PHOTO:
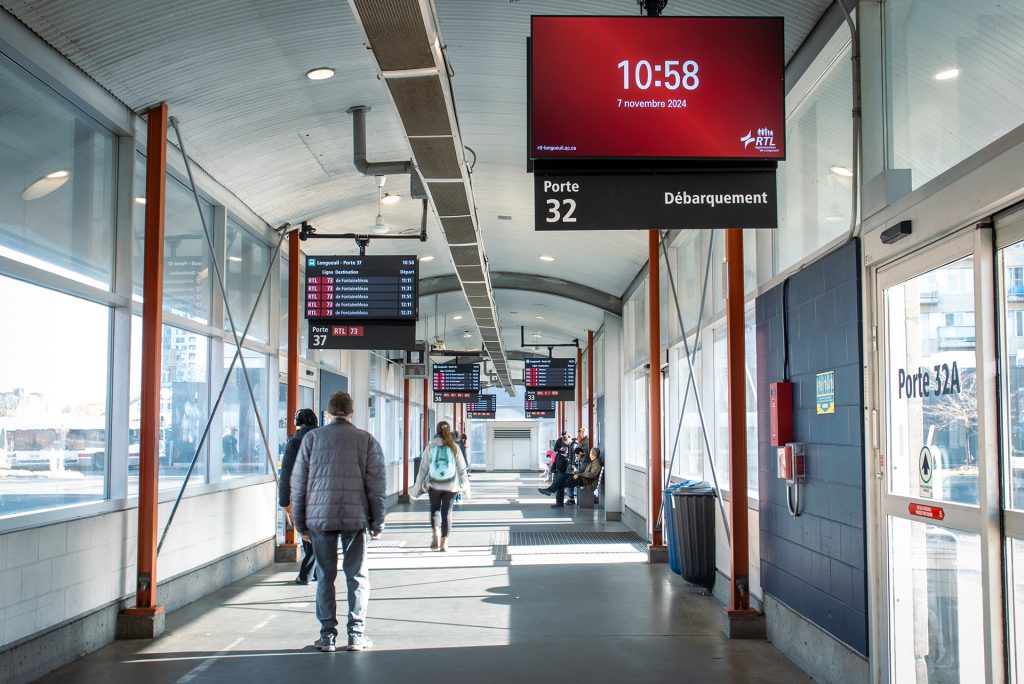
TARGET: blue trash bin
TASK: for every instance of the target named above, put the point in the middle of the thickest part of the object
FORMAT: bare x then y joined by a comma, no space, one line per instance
668,525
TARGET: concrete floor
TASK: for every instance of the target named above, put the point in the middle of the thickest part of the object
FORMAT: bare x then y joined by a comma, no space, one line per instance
549,614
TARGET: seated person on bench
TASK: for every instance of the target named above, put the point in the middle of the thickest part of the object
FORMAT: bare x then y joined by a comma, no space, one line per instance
587,479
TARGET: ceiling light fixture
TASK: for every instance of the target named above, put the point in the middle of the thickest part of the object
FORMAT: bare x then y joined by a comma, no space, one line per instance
140,200
320,73
379,226
457,318
388,198
539,318
427,257
234,258
947,74
467,335
545,257
45,185
841,171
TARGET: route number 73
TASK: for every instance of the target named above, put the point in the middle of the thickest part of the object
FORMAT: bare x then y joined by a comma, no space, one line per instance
556,209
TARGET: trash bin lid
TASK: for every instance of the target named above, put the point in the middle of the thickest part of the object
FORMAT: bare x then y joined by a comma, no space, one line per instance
685,483
697,489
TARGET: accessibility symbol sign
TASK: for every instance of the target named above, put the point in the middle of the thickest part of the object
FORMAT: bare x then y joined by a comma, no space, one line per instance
925,470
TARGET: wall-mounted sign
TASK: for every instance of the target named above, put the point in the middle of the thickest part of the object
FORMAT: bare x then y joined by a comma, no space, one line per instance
550,374
362,287
551,395
922,511
825,392
925,471
456,377
642,202
539,409
486,406
456,397
326,334
672,87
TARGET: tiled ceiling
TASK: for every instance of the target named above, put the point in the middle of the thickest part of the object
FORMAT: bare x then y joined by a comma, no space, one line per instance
232,71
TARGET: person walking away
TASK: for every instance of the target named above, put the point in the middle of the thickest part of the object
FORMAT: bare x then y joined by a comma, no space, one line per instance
442,476
305,421
337,490
229,444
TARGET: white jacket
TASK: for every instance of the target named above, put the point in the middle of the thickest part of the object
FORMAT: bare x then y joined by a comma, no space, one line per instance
458,484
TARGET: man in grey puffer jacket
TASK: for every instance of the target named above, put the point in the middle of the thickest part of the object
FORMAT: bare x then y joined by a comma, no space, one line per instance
337,490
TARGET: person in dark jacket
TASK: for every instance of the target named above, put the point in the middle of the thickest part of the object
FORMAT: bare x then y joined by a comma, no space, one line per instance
338,487
305,421
562,465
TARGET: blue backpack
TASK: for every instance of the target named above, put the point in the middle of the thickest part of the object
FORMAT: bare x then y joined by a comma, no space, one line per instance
442,464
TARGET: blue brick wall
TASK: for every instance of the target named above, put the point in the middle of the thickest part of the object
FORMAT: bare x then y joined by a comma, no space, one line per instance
816,563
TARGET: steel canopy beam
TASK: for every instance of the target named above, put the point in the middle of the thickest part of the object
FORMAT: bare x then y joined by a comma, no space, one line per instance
530,283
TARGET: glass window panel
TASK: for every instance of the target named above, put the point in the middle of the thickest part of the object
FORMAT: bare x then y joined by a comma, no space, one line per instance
721,438
53,404
935,603
945,59
242,444
689,275
1012,259
1016,602
814,183
188,272
750,370
248,260
932,399
57,182
282,322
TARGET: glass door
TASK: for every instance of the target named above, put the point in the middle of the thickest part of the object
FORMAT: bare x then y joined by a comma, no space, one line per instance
937,525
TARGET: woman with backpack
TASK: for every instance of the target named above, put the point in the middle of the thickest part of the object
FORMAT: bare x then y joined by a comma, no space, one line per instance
443,476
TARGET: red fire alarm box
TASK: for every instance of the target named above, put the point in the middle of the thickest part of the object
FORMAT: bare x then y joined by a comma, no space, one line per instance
781,407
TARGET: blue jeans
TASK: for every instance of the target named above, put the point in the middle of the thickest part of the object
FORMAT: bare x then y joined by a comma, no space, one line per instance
353,546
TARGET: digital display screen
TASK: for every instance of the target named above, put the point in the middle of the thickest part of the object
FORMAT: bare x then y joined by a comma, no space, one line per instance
550,374
563,394
539,409
486,406
362,287
666,87
456,377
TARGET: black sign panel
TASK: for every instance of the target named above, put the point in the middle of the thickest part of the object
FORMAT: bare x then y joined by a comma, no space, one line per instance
456,397
362,287
485,407
560,394
327,334
550,374
539,409
456,377
668,201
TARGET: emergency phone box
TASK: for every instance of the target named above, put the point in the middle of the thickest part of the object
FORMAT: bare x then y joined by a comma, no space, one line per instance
781,407
791,462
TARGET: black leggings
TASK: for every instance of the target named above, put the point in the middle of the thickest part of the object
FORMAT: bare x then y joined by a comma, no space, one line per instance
442,502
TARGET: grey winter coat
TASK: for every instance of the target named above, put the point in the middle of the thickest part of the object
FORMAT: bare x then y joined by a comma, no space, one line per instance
338,481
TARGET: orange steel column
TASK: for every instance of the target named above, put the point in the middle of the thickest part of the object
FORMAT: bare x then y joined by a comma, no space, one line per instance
590,388
408,439
579,394
654,379
152,343
737,418
294,256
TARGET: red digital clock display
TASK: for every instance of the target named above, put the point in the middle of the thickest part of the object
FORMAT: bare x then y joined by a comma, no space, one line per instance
665,87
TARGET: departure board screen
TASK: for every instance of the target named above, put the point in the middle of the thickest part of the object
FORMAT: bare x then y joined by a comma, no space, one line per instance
362,287
560,394
539,409
486,406
550,373
456,377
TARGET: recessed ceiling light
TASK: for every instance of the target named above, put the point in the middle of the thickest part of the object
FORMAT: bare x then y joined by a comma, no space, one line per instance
536,334
388,198
456,318
841,171
320,73
467,335
545,257
834,217
45,185
140,200
539,318
947,74
234,258
427,257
